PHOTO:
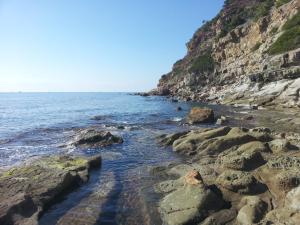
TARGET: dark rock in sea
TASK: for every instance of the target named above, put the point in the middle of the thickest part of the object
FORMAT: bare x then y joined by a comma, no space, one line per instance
95,138
200,115
143,94
100,117
178,108
28,189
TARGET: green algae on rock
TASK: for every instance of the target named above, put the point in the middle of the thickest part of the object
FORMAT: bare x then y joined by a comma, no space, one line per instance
27,190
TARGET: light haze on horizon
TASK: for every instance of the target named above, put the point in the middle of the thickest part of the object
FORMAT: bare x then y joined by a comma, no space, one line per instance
94,45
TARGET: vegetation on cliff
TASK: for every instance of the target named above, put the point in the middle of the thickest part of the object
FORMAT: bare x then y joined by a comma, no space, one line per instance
290,39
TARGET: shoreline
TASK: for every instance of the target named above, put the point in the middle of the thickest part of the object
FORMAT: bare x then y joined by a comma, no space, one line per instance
168,185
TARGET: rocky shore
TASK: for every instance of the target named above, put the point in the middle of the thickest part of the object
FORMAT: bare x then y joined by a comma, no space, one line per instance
232,175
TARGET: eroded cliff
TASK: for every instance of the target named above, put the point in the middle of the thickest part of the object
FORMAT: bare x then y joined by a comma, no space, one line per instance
248,54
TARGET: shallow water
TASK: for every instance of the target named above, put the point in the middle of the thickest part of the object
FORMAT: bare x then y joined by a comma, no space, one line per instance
38,124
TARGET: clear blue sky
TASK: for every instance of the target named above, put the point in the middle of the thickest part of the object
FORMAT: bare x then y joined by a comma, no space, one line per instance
94,45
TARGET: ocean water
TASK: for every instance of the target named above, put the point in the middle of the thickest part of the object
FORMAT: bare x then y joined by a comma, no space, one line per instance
35,124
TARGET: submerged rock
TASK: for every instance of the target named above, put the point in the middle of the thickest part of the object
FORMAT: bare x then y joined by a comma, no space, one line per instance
28,189
200,115
95,138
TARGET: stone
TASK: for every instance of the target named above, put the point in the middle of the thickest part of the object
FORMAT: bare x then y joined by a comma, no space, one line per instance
169,139
94,138
293,199
252,211
193,178
200,115
26,190
189,204
237,181
246,157
169,185
221,217
190,141
279,145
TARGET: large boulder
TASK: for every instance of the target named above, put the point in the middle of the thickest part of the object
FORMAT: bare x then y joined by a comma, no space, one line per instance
25,191
252,211
189,205
200,115
95,138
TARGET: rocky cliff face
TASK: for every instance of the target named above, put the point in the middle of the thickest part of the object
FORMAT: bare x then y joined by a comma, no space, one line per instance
248,54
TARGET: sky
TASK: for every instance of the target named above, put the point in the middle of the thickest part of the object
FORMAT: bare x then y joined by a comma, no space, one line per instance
94,45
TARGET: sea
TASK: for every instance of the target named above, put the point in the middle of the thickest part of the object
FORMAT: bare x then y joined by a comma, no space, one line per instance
40,124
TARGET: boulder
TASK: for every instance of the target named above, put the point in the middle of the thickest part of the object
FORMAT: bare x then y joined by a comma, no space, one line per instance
95,138
168,139
293,199
191,141
30,188
252,211
200,115
280,145
189,205
221,217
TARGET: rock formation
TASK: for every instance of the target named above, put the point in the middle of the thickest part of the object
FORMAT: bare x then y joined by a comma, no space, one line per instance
27,190
232,176
248,54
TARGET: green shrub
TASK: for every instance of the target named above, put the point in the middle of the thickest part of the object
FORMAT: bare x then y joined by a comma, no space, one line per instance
203,63
289,40
256,46
274,30
291,23
263,9
240,15
281,2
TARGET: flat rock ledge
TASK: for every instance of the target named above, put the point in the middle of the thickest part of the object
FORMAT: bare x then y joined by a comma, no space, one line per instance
234,176
27,190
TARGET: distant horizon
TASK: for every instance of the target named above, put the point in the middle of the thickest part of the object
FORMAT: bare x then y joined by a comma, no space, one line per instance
99,46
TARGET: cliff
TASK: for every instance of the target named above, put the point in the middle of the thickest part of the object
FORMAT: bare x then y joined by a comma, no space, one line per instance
248,54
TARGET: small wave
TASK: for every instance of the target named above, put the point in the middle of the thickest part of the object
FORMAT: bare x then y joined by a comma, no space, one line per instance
111,155
177,119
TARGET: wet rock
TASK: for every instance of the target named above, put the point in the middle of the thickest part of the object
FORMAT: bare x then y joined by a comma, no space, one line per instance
189,204
200,115
95,138
252,211
28,189
169,139
90,209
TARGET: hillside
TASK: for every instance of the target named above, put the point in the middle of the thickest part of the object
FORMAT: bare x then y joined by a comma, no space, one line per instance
248,54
